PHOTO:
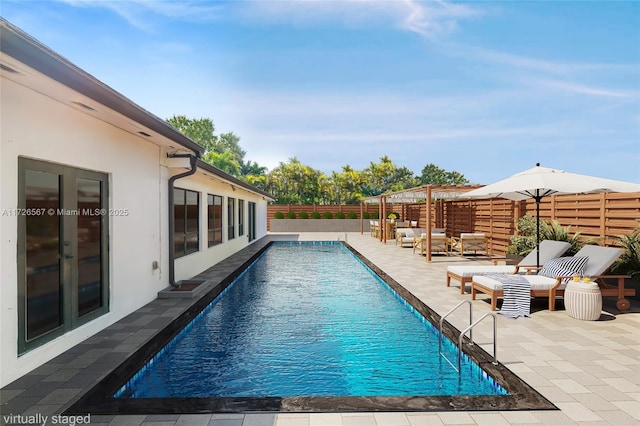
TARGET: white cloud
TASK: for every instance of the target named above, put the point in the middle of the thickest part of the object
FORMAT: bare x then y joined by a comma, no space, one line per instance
429,19
588,90
138,12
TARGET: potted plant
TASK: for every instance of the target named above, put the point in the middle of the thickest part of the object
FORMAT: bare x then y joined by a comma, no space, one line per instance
523,243
629,262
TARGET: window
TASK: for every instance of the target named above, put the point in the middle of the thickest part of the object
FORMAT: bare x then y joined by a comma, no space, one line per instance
214,219
252,221
231,225
186,214
240,218
62,250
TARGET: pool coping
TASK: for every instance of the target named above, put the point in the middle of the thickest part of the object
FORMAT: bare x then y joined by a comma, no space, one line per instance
99,399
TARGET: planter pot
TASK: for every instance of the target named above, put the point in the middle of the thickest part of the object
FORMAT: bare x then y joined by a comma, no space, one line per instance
583,301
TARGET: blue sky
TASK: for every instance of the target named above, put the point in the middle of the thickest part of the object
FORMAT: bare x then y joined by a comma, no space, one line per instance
484,88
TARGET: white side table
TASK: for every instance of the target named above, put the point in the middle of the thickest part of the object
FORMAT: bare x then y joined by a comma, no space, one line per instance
582,300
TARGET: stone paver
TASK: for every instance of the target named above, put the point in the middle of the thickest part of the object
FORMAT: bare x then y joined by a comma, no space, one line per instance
588,369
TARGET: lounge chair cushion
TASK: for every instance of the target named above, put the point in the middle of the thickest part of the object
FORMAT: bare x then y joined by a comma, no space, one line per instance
600,258
470,271
471,235
564,266
538,282
549,249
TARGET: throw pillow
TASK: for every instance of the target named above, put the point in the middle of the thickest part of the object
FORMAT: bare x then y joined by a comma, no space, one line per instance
564,266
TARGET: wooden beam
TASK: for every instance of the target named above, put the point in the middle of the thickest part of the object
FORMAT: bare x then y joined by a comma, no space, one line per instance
429,220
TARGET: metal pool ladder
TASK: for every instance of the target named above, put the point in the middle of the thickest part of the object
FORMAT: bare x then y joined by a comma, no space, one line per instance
470,330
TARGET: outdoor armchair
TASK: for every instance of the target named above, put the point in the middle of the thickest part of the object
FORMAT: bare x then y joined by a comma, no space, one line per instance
469,242
439,243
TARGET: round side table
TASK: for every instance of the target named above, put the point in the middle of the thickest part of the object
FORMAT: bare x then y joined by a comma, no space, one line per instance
582,300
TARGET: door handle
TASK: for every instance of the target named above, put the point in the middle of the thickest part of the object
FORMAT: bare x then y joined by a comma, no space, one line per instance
68,256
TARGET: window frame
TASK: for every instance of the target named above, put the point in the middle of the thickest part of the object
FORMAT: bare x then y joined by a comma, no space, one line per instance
68,226
187,232
211,219
240,217
231,218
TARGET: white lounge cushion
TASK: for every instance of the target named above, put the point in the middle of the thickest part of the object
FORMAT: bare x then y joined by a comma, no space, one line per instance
471,270
405,232
548,250
537,282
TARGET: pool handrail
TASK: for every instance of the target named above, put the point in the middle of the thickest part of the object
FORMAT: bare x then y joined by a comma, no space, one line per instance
495,338
442,321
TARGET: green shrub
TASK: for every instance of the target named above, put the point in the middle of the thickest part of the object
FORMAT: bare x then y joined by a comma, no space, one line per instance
365,215
315,215
374,215
327,215
340,215
291,215
278,215
352,215
557,232
522,244
303,215
629,262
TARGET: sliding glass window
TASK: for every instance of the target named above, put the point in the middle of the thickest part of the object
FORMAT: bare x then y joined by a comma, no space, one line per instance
231,218
186,211
240,218
214,219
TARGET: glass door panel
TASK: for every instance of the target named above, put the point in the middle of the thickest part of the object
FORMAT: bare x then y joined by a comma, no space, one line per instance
43,287
89,229
62,250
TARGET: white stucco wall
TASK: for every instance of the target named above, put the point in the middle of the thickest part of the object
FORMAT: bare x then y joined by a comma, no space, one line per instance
38,127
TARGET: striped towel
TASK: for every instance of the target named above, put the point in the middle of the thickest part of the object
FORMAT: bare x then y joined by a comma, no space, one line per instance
517,295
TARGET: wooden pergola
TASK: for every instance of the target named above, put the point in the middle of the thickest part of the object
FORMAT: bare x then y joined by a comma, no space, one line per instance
425,193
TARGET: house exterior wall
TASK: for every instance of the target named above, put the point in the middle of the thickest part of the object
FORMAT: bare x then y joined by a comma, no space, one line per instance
38,127
207,256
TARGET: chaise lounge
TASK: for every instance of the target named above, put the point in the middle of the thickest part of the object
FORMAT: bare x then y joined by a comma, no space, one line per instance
552,284
548,250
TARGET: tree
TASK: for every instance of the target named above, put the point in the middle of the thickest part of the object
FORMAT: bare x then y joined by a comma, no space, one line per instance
403,178
223,152
345,187
230,142
201,130
226,161
434,175
379,176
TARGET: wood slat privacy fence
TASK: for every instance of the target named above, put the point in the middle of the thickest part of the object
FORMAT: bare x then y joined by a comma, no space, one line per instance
601,217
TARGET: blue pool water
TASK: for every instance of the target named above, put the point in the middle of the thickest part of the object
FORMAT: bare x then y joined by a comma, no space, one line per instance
312,320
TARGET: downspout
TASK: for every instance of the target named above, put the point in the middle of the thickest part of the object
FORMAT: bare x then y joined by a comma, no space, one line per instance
172,179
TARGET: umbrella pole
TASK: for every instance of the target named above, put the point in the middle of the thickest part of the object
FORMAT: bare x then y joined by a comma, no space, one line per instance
538,197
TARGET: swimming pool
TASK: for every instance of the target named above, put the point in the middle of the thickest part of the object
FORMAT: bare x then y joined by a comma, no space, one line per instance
101,398
307,320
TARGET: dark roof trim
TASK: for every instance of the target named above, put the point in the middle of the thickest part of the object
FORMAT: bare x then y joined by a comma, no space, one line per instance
231,179
19,45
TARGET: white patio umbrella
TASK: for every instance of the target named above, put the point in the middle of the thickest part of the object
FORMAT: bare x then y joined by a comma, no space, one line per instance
539,182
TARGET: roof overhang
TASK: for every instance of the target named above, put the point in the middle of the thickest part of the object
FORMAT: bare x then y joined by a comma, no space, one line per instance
31,64
212,171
